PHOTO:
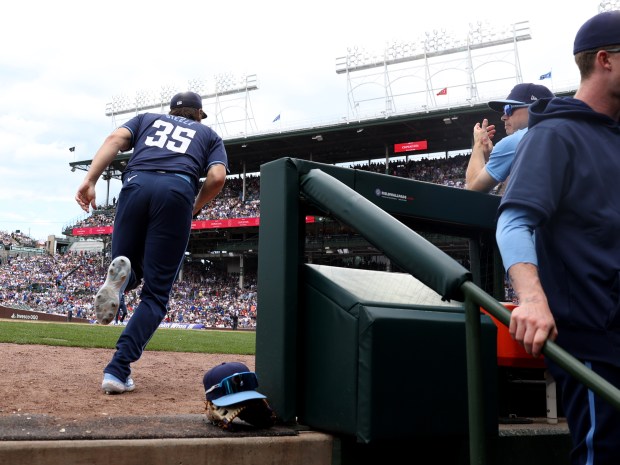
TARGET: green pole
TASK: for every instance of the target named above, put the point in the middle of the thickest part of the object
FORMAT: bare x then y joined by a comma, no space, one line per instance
477,441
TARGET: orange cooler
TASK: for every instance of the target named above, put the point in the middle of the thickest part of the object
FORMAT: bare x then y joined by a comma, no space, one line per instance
509,352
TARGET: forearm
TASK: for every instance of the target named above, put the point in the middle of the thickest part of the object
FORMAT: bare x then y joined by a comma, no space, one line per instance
531,323
477,160
119,140
211,187
526,284
113,144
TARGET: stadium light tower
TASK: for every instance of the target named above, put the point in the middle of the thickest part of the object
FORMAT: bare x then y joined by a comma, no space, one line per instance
165,95
432,45
229,91
609,5
148,100
431,50
196,85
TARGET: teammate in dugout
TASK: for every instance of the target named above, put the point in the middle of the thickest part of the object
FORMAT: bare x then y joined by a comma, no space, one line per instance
161,193
558,233
489,165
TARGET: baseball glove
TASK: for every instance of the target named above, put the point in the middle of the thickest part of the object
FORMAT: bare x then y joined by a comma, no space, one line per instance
256,412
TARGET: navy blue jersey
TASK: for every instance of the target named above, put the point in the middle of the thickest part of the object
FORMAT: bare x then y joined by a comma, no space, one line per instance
567,168
174,144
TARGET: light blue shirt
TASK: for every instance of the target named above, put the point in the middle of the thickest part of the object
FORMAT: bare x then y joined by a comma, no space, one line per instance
515,236
503,154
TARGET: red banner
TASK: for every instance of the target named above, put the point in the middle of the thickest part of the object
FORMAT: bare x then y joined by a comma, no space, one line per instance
228,223
98,231
411,146
197,224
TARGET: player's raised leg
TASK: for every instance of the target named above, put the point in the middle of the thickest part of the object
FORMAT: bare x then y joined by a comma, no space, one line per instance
107,300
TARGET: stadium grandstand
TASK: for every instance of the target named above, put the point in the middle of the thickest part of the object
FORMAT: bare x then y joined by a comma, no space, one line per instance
411,128
219,274
211,288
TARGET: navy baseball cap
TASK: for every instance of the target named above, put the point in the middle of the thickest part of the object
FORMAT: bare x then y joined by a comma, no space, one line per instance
598,32
188,99
522,94
230,383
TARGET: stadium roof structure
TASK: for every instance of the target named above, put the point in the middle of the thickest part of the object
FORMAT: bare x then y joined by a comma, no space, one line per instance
362,140
445,129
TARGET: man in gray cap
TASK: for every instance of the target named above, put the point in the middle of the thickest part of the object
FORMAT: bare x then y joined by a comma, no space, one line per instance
490,165
563,188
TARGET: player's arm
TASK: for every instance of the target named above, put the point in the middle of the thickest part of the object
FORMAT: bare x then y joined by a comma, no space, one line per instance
532,322
212,185
482,182
477,177
118,141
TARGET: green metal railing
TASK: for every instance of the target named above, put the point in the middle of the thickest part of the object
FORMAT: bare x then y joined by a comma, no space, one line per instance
476,298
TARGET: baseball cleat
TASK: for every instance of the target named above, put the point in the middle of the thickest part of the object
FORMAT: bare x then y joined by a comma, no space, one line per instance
107,299
112,385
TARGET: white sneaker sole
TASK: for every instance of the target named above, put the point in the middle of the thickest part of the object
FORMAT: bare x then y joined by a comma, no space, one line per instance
107,299
110,386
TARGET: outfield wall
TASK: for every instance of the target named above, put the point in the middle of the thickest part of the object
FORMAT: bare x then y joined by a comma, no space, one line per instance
10,313
29,315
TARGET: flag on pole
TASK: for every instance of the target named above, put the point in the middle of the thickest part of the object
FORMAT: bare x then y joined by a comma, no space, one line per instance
545,76
443,91
71,149
276,118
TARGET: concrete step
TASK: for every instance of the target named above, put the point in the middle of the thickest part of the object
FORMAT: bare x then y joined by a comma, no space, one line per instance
307,448
189,440
531,442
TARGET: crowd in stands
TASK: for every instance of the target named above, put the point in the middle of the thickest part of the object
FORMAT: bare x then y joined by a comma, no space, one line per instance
68,282
15,239
233,202
445,171
102,216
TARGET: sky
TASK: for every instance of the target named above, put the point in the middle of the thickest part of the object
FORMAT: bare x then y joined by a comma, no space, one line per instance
62,62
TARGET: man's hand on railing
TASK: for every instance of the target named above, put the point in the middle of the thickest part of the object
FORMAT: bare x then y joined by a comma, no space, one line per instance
531,323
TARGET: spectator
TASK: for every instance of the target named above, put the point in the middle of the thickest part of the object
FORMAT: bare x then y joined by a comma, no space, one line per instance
490,165
121,314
